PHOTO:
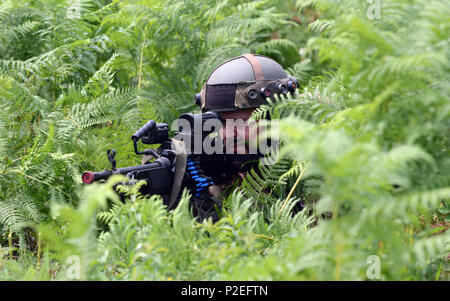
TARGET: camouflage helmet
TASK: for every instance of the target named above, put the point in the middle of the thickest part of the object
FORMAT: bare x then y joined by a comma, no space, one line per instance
244,82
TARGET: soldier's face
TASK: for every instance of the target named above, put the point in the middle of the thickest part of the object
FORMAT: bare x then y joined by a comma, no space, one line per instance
237,132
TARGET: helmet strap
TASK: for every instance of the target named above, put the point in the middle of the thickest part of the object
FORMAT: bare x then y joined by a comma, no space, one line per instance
256,66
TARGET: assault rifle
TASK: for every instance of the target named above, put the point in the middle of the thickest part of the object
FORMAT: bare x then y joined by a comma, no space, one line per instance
159,173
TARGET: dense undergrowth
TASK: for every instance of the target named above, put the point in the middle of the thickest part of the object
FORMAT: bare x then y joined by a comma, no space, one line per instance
365,144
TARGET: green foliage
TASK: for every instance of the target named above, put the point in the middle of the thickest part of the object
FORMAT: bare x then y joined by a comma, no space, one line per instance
364,143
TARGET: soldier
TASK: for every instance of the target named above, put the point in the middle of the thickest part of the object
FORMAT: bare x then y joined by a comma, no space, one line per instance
230,95
234,90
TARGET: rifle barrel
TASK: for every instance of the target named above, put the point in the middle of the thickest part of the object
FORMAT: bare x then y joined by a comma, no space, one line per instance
88,176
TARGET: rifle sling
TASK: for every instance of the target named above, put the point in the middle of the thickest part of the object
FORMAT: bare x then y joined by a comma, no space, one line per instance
180,168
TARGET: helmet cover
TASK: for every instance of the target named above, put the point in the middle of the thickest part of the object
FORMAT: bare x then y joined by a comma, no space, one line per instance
244,82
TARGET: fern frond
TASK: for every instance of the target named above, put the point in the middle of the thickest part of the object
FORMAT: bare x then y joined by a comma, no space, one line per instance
260,184
321,25
100,82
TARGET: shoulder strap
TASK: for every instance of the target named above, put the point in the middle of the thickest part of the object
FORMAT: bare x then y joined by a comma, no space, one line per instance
180,168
